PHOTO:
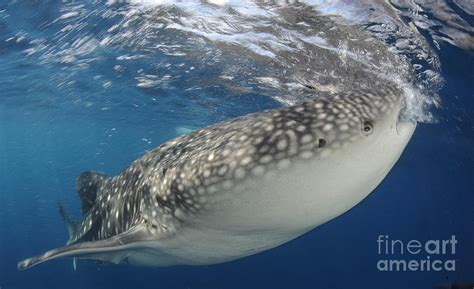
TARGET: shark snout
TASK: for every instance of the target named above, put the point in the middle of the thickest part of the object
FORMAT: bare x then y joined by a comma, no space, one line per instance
405,127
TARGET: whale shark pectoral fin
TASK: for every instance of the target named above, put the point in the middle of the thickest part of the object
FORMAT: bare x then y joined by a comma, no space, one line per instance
126,241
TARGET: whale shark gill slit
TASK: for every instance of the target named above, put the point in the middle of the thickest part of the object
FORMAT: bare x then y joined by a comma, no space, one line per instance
321,143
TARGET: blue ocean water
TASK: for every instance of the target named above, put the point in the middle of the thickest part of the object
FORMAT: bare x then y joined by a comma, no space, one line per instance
69,103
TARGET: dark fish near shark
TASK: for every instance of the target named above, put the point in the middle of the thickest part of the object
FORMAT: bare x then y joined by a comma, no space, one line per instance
239,187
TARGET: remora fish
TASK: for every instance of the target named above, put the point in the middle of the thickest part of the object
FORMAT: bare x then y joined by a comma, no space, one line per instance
241,186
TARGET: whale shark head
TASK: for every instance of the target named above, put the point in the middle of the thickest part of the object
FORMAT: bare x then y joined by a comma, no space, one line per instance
361,136
379,132
364,116
367,123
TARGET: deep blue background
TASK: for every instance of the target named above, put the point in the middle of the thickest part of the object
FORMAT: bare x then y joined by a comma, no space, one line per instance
43,147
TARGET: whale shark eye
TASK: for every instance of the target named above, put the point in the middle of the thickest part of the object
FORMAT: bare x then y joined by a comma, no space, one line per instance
367,127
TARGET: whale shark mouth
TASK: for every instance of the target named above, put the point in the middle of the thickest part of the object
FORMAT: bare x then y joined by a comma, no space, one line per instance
405,126
404,122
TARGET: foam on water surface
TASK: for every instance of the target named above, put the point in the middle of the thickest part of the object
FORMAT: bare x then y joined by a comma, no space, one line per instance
285,51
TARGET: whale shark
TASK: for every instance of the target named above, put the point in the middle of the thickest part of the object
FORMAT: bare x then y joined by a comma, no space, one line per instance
240,186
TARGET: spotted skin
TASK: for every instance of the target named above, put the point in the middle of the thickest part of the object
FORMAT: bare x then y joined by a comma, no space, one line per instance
189,176
180,177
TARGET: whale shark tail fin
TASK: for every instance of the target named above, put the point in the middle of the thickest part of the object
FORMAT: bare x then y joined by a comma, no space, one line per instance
89,186
72,227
